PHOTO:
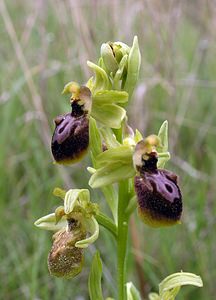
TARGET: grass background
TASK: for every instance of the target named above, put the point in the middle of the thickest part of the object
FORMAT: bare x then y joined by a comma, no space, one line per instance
45,44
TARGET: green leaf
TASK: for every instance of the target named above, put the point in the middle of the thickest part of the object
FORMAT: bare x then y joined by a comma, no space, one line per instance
48,222
134,61
111,115
170,286
75,197
92,227
109,97
95,139
94,282
111,173
132,292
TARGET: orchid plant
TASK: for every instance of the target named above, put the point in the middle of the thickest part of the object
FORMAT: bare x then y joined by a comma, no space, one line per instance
127,167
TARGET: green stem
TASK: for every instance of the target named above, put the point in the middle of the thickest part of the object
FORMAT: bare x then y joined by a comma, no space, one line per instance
107,223
122,238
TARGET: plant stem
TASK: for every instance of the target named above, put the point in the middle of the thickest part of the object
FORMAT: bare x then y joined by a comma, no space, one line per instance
122,237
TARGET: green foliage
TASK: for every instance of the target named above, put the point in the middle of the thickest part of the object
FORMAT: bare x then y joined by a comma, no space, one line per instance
94,283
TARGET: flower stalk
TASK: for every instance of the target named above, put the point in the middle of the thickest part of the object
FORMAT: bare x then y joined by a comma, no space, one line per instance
128,168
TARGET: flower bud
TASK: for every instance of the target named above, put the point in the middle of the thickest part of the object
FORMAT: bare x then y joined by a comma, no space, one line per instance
158,194
65,260
71,136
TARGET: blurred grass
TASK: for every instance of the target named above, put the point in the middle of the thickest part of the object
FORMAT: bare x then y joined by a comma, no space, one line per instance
45,44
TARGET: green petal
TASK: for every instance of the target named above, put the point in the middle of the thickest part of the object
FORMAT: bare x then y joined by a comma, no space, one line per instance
94,281
170,286
49,222
138,136
132,292
134,61
74,197
58,192
163,135
111,173
111,115
163,153
92,227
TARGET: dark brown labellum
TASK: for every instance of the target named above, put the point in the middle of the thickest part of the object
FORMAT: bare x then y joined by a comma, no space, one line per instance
66,260
71,136
158,194
159,198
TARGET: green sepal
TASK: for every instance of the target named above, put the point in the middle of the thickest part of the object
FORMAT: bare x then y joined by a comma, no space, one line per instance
48,222
95,139
170,286
108,58
134,61
102,81
114,165
91,225
109,97
132,292
111,115
120,49
111,173
94,281
121,154
105,108
109,137
119,74
75,197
